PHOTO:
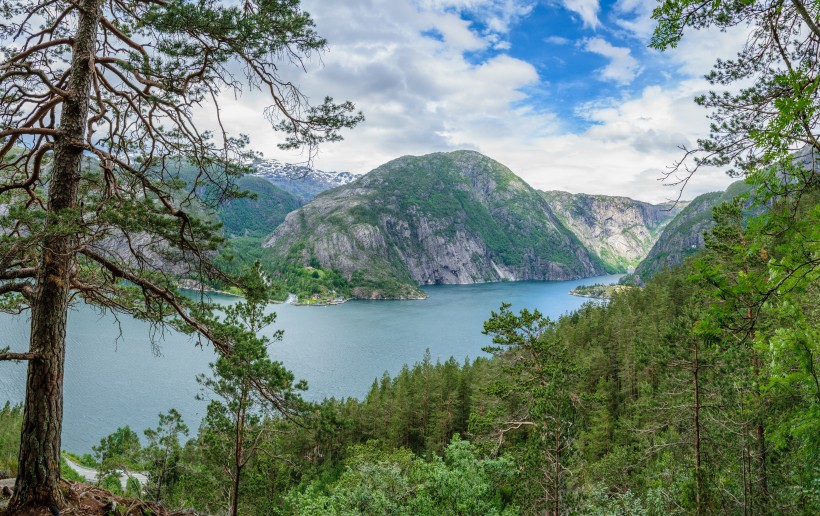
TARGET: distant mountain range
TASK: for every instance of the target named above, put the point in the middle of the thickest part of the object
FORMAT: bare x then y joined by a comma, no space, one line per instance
619,230
300,180
453,218
457,218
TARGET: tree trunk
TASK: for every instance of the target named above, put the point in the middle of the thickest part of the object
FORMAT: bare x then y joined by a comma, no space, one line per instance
556,501
698,471
239,453
39,457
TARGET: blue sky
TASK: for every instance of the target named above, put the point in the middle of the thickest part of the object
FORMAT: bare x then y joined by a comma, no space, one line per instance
564,92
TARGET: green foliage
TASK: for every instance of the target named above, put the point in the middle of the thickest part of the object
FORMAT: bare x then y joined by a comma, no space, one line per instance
398,482
772,109
162,454
118,451
256,216
112,483
540,403
86,459
309,283
246,385
67,473
599,291
11,419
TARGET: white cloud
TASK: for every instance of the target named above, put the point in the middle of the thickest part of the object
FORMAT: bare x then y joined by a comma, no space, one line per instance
557,40
421,95
498,15
635,16
586,9
622,67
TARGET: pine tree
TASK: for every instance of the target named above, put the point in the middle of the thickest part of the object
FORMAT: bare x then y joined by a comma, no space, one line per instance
542,374
246,385
162,454
97,129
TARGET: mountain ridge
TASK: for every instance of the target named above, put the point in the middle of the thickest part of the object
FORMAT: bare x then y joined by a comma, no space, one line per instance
303,181
683,236
452,218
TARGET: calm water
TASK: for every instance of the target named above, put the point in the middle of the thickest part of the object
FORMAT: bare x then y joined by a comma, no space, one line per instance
114,377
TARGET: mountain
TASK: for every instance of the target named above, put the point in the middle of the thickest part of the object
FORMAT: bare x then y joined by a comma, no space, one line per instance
619,230
256,216
452,218
302,181
683,236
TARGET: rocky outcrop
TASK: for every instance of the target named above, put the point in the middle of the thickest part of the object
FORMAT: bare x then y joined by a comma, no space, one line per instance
619,230
445,218
683,236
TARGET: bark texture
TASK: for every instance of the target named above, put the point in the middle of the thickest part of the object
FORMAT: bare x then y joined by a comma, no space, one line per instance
39,459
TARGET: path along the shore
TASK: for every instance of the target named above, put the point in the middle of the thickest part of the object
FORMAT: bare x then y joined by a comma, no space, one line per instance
90,474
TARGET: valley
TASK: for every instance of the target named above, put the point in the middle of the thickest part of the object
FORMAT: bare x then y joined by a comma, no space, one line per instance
446,218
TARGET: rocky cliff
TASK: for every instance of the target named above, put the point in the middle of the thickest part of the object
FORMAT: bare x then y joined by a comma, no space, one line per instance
451,218
683,236
619,230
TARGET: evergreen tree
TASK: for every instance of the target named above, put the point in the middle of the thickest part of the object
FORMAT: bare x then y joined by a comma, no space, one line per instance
542,375
118,453
119,82
247,386
162,454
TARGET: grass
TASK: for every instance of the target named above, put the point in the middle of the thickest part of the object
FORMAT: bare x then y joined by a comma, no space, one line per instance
84,460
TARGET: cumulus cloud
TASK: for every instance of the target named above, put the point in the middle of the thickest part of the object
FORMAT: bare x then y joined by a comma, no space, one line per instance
635,16
622,67
497,15
420,94
557,40
586,9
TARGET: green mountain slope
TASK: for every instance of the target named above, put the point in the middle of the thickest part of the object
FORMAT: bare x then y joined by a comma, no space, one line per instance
255,217
452,218
619,230
683,236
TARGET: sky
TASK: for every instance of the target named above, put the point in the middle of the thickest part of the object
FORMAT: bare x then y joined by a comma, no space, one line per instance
566,93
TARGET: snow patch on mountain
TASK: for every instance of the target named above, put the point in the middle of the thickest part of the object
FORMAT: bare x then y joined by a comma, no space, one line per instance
300,180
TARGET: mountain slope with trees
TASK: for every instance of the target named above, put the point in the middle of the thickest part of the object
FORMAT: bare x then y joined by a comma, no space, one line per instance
456,218
683,236
254,216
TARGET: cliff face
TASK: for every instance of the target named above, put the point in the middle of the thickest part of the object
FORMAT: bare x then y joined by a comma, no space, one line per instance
619,230
451,218
683,236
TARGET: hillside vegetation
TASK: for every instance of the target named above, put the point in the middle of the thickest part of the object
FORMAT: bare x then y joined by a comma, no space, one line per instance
683,236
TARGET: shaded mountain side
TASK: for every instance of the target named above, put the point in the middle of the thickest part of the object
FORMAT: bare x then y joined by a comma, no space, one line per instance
619,230
683,236
256,216
452,218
